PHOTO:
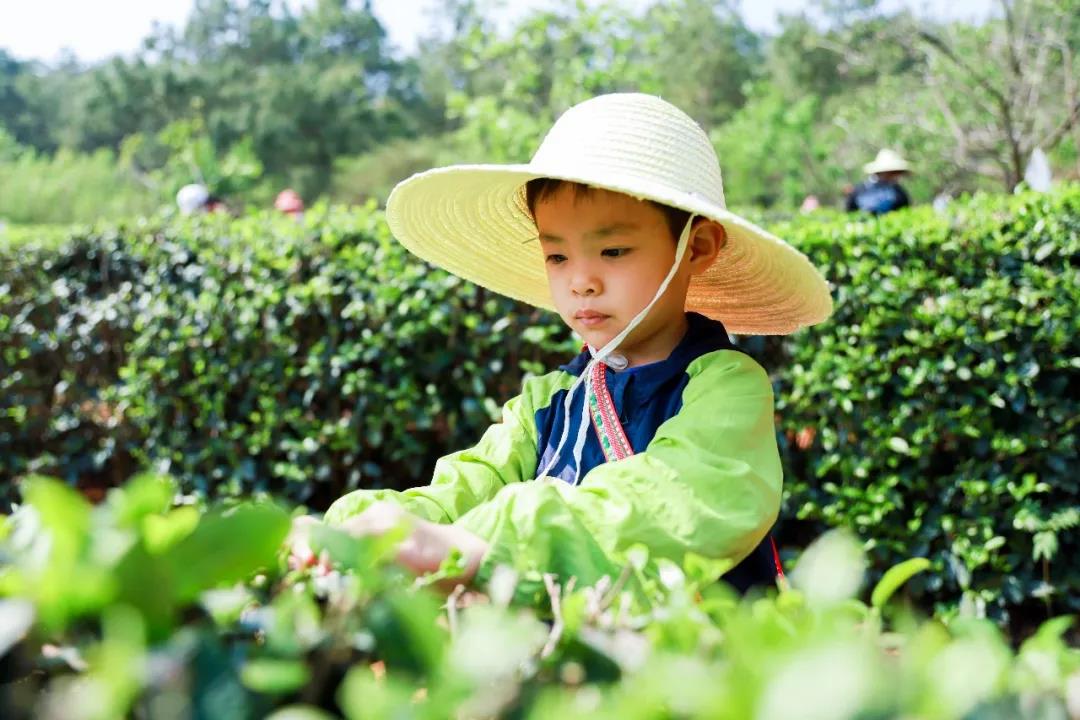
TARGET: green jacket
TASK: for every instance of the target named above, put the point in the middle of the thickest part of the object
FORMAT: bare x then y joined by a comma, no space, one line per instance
705,479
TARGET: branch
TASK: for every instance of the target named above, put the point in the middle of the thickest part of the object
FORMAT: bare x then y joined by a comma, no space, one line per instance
971,95
452,608
1010,35
947,52
1035,81
616,588
1003,103
1054,137
554,592
1070,91
946,111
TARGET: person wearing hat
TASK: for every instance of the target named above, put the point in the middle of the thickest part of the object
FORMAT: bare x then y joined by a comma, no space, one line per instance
192,198
196,198
881,192
289,202
660,432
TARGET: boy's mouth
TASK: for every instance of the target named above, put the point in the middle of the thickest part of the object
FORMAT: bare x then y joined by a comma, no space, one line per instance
590,318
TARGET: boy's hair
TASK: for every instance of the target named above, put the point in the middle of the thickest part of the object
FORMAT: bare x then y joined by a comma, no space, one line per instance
543,188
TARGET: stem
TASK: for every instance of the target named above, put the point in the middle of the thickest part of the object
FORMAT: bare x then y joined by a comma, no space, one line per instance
554,592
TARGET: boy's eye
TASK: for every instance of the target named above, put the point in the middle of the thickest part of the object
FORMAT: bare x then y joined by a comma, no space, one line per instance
555,258
614,252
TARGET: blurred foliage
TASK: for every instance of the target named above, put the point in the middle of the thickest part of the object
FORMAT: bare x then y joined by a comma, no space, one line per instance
316,98
183,151
935,414
227,632
360,178
68,187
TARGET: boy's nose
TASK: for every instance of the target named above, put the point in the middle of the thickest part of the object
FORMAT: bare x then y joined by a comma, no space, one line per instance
585,284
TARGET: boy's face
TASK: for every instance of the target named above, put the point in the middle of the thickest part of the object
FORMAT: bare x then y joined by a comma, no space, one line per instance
606,254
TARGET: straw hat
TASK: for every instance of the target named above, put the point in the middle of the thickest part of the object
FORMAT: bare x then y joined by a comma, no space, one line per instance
191,198
886,161
472,220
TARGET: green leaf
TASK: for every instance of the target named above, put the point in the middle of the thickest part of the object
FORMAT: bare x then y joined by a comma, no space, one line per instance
274,677
894,577
900,445
142,496
226,605
62,510
161,532
831,569
405,630
702,571
227,546
362,697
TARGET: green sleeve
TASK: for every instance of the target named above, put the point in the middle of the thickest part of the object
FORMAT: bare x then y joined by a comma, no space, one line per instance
708,483
506,454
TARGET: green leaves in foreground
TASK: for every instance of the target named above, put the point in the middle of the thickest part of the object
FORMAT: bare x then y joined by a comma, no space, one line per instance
895,577
73,560
368,642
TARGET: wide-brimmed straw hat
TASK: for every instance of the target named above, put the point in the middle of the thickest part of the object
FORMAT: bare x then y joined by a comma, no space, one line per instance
473,221
886,161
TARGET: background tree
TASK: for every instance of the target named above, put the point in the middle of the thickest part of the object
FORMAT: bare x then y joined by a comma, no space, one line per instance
1019,72
323,102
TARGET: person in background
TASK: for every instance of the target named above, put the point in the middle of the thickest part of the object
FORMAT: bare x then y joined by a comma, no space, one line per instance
881,192
289,202
810,203
196,198
192,198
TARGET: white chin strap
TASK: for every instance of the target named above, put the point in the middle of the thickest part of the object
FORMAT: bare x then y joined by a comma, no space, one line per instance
613,360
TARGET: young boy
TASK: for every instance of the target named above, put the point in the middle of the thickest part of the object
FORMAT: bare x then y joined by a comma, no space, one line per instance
660,432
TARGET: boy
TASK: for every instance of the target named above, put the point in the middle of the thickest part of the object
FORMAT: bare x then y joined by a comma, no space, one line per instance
659,432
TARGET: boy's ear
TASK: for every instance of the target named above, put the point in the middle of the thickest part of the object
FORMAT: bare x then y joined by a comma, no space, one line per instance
706,242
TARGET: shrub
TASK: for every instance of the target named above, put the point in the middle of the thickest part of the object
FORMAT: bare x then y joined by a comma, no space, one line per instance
251,355
939,406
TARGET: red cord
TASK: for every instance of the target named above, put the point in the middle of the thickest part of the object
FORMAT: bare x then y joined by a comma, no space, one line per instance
776,559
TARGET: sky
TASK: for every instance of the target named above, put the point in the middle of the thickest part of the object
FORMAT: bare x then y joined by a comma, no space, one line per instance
97,29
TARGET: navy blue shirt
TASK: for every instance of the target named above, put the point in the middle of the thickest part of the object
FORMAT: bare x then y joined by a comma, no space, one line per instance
878,197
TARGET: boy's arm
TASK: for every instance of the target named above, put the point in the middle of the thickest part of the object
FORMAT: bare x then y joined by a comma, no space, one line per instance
505,454
708,483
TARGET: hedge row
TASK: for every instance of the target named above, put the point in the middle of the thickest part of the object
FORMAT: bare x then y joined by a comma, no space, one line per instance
939,408
140,609
935,413
249,356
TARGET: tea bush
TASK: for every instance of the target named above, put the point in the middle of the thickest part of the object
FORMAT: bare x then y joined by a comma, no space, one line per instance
248,355
139,608
939,408
935,414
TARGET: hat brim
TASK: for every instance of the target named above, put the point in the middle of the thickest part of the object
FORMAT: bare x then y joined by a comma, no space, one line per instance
472,220
875,168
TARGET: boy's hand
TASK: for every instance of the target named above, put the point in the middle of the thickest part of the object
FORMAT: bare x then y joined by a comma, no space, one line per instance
299,543
423,550
379,518
431,543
